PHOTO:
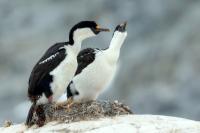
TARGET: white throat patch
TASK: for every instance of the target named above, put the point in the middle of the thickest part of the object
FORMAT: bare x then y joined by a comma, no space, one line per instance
81,34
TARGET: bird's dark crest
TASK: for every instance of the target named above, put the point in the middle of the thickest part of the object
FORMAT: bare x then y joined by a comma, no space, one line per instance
82,24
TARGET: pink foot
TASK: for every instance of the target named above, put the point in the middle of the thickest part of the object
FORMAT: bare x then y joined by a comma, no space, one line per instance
50,99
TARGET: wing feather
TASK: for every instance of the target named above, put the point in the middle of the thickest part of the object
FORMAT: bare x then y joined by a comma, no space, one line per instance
50,60
84,58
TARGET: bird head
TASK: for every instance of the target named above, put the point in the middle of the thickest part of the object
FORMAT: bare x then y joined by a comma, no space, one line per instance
119,36
85,29
120,31
121,27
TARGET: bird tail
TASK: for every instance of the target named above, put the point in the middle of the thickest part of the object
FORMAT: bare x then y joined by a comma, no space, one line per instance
30,114
33,97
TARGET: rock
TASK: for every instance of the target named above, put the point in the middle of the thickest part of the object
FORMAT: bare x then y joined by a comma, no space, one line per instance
102,117
7,123
160,55
118,124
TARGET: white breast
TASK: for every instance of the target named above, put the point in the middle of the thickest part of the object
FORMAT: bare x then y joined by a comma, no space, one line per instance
97,76
94,78
63,74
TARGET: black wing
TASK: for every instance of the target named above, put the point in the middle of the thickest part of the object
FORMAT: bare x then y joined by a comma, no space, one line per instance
40,73
84,58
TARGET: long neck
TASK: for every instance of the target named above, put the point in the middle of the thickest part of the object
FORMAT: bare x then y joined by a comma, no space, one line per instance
76,37
75,41
114,49
76,46
117,41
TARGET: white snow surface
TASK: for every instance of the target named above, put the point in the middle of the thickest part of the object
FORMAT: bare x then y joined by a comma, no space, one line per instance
120,124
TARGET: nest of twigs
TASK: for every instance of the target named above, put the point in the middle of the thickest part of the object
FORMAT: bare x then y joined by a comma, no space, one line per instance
82,111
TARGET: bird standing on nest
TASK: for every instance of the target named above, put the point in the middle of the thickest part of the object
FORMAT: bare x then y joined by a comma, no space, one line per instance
53,72
96,68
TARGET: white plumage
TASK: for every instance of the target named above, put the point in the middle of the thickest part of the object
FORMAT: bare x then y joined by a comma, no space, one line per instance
97,75
64,72
56,68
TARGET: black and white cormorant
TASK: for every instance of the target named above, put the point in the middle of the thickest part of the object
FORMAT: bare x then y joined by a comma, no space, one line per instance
53,72
96,68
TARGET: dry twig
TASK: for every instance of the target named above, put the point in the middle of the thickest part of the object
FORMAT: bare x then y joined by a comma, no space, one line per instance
83,111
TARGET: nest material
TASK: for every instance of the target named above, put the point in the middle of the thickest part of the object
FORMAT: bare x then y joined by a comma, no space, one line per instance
83,111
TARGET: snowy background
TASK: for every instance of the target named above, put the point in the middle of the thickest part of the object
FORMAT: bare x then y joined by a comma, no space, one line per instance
159,63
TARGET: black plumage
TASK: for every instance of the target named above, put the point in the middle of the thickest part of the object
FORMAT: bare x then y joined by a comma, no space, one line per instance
71,92
40,79
87,56
84,58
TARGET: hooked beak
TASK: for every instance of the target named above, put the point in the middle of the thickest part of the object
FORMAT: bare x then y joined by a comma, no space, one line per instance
123,27
98,29
124,24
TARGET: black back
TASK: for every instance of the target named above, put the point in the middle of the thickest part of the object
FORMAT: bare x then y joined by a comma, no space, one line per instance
84,58
40,78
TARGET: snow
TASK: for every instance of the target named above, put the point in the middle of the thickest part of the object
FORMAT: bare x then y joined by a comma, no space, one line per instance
126,123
